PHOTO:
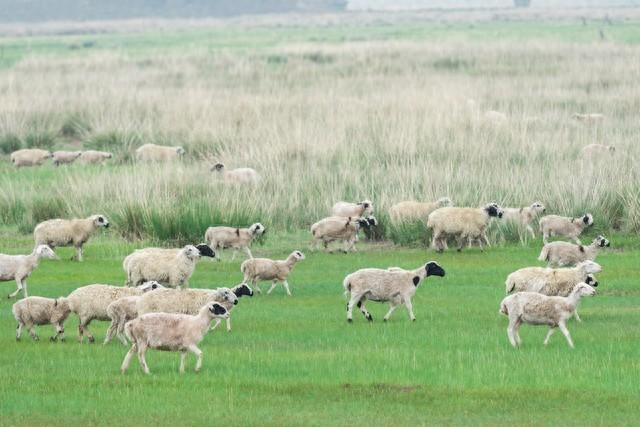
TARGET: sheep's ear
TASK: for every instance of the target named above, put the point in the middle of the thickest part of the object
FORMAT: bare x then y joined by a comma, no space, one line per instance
416,280
585,219
238,232
55,302
581,248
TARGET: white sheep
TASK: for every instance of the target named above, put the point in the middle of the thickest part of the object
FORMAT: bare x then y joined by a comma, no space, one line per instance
264,269
91,157
172,267
598,151
236,176
415,211
537,309
158,153
524,216
347,209
239,291
220,238
30,157
589,118
465,224
339,228
562,226
65,157
562,254
170,332
20,267
393,285
90,303
32,311
69,232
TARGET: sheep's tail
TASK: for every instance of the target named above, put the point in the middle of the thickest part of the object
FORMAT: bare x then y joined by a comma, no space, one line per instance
503,309
347,287
510,285
544,254
127,331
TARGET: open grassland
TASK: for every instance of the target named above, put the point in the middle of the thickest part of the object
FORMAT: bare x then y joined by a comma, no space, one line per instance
293,361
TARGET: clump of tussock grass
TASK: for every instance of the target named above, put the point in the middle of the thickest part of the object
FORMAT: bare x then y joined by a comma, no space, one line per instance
44,140
9,143
75,125
121,144
40,209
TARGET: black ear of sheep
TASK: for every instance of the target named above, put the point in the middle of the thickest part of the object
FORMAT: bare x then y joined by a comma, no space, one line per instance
205,250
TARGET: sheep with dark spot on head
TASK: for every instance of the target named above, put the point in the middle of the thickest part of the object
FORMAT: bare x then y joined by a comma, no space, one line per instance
465,224
562,226
221,237
347,209
561,254
338,228
69,232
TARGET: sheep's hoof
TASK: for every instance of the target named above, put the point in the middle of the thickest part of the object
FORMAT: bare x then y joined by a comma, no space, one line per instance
63,339
350,320
413,320
385,320
36,338
53,339
370,318
18,339
92,340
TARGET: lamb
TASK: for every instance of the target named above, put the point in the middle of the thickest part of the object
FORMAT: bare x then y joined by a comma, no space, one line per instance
236,176
597,151
232,237
590,118
561,254
264,269
415,211
20,267
68,232
170,332
537,309
65,157
158,153
354,210
338,228
92,157
562,226
172,267
90,303
30,157
32,311
393,285
523,217
463,223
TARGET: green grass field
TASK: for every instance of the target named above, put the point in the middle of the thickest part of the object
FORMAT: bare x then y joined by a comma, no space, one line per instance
294,361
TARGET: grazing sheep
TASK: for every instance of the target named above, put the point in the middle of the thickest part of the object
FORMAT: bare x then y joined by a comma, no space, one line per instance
354,210
232,237
236,176
41,311
393,285
415,211
589,118
91,302
465,224
264,269
20,267
172,267
69,232
338,228
65,157
524,216
598,151
158,153
562,226
30,157
92,157
560,254
170,332
537,309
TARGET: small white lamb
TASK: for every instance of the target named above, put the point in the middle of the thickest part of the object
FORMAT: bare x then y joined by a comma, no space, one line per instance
20,267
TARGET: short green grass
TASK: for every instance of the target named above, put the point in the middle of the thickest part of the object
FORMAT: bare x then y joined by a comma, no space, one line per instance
294,361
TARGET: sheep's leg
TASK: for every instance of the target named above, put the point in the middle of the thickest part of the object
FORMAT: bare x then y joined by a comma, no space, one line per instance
363,309
545,237
59,332
512,331
566,333
83,327
229,324
460,242
233,256
551,331
286,287
248,251
355,298
127,358
110,332
409,306
19,330
273,286
183,356
216,324
435,242
195,350
575,314
255,286
19,283
530,230
142,351
79,253
32,332
392,308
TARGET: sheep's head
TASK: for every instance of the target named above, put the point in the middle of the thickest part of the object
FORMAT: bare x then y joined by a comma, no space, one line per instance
297,255
432,268
444,201
218,167
589,267
367,205
44,251
584,290
180,151
591,280
226,294
205,250
191,252
493,209
257,229
538,207
587,219
243,289
48,155
151,285
100,221
602,241
61,309
612,149
217,310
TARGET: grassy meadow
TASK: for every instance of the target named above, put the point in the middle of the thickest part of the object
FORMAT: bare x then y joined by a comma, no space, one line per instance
349,107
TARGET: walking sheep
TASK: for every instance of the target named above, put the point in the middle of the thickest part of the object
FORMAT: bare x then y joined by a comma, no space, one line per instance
562,226
220,238
561,254
158,153
338,228
393,285
598,151
523,217
590,118
415,211
465,224
65,157
537,309
20,267
92,157
30,157
41,311
170,332
264,269
236,176
354,210
69,232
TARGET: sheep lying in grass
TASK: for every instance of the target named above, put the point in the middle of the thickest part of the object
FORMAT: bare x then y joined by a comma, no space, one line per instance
394,285
170,332
264,269
415,211
562,226
560,254
172,267
20,267
523,217
41,311
597,151
236,176
220,238
465,224
92,157
30,157
69,232
158,153
338,228
537,309
65,157
354,210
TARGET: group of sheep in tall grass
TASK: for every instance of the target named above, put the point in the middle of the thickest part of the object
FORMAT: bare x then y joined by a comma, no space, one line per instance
37,157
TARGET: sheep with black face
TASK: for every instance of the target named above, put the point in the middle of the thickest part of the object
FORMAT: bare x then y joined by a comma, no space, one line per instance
236,176
235,238
562,226
465,224
69,232
338,228
561,254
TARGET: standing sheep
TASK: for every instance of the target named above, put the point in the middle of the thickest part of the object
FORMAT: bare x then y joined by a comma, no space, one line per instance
232,237
236,176
170,332
537,309
415,211
158,153
264,269
30,157
32,311
560,254
20,267
562,226
92,157
354,210
69,232
523,217
465,224
338,228
590,118
393,285
65,157
598,151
